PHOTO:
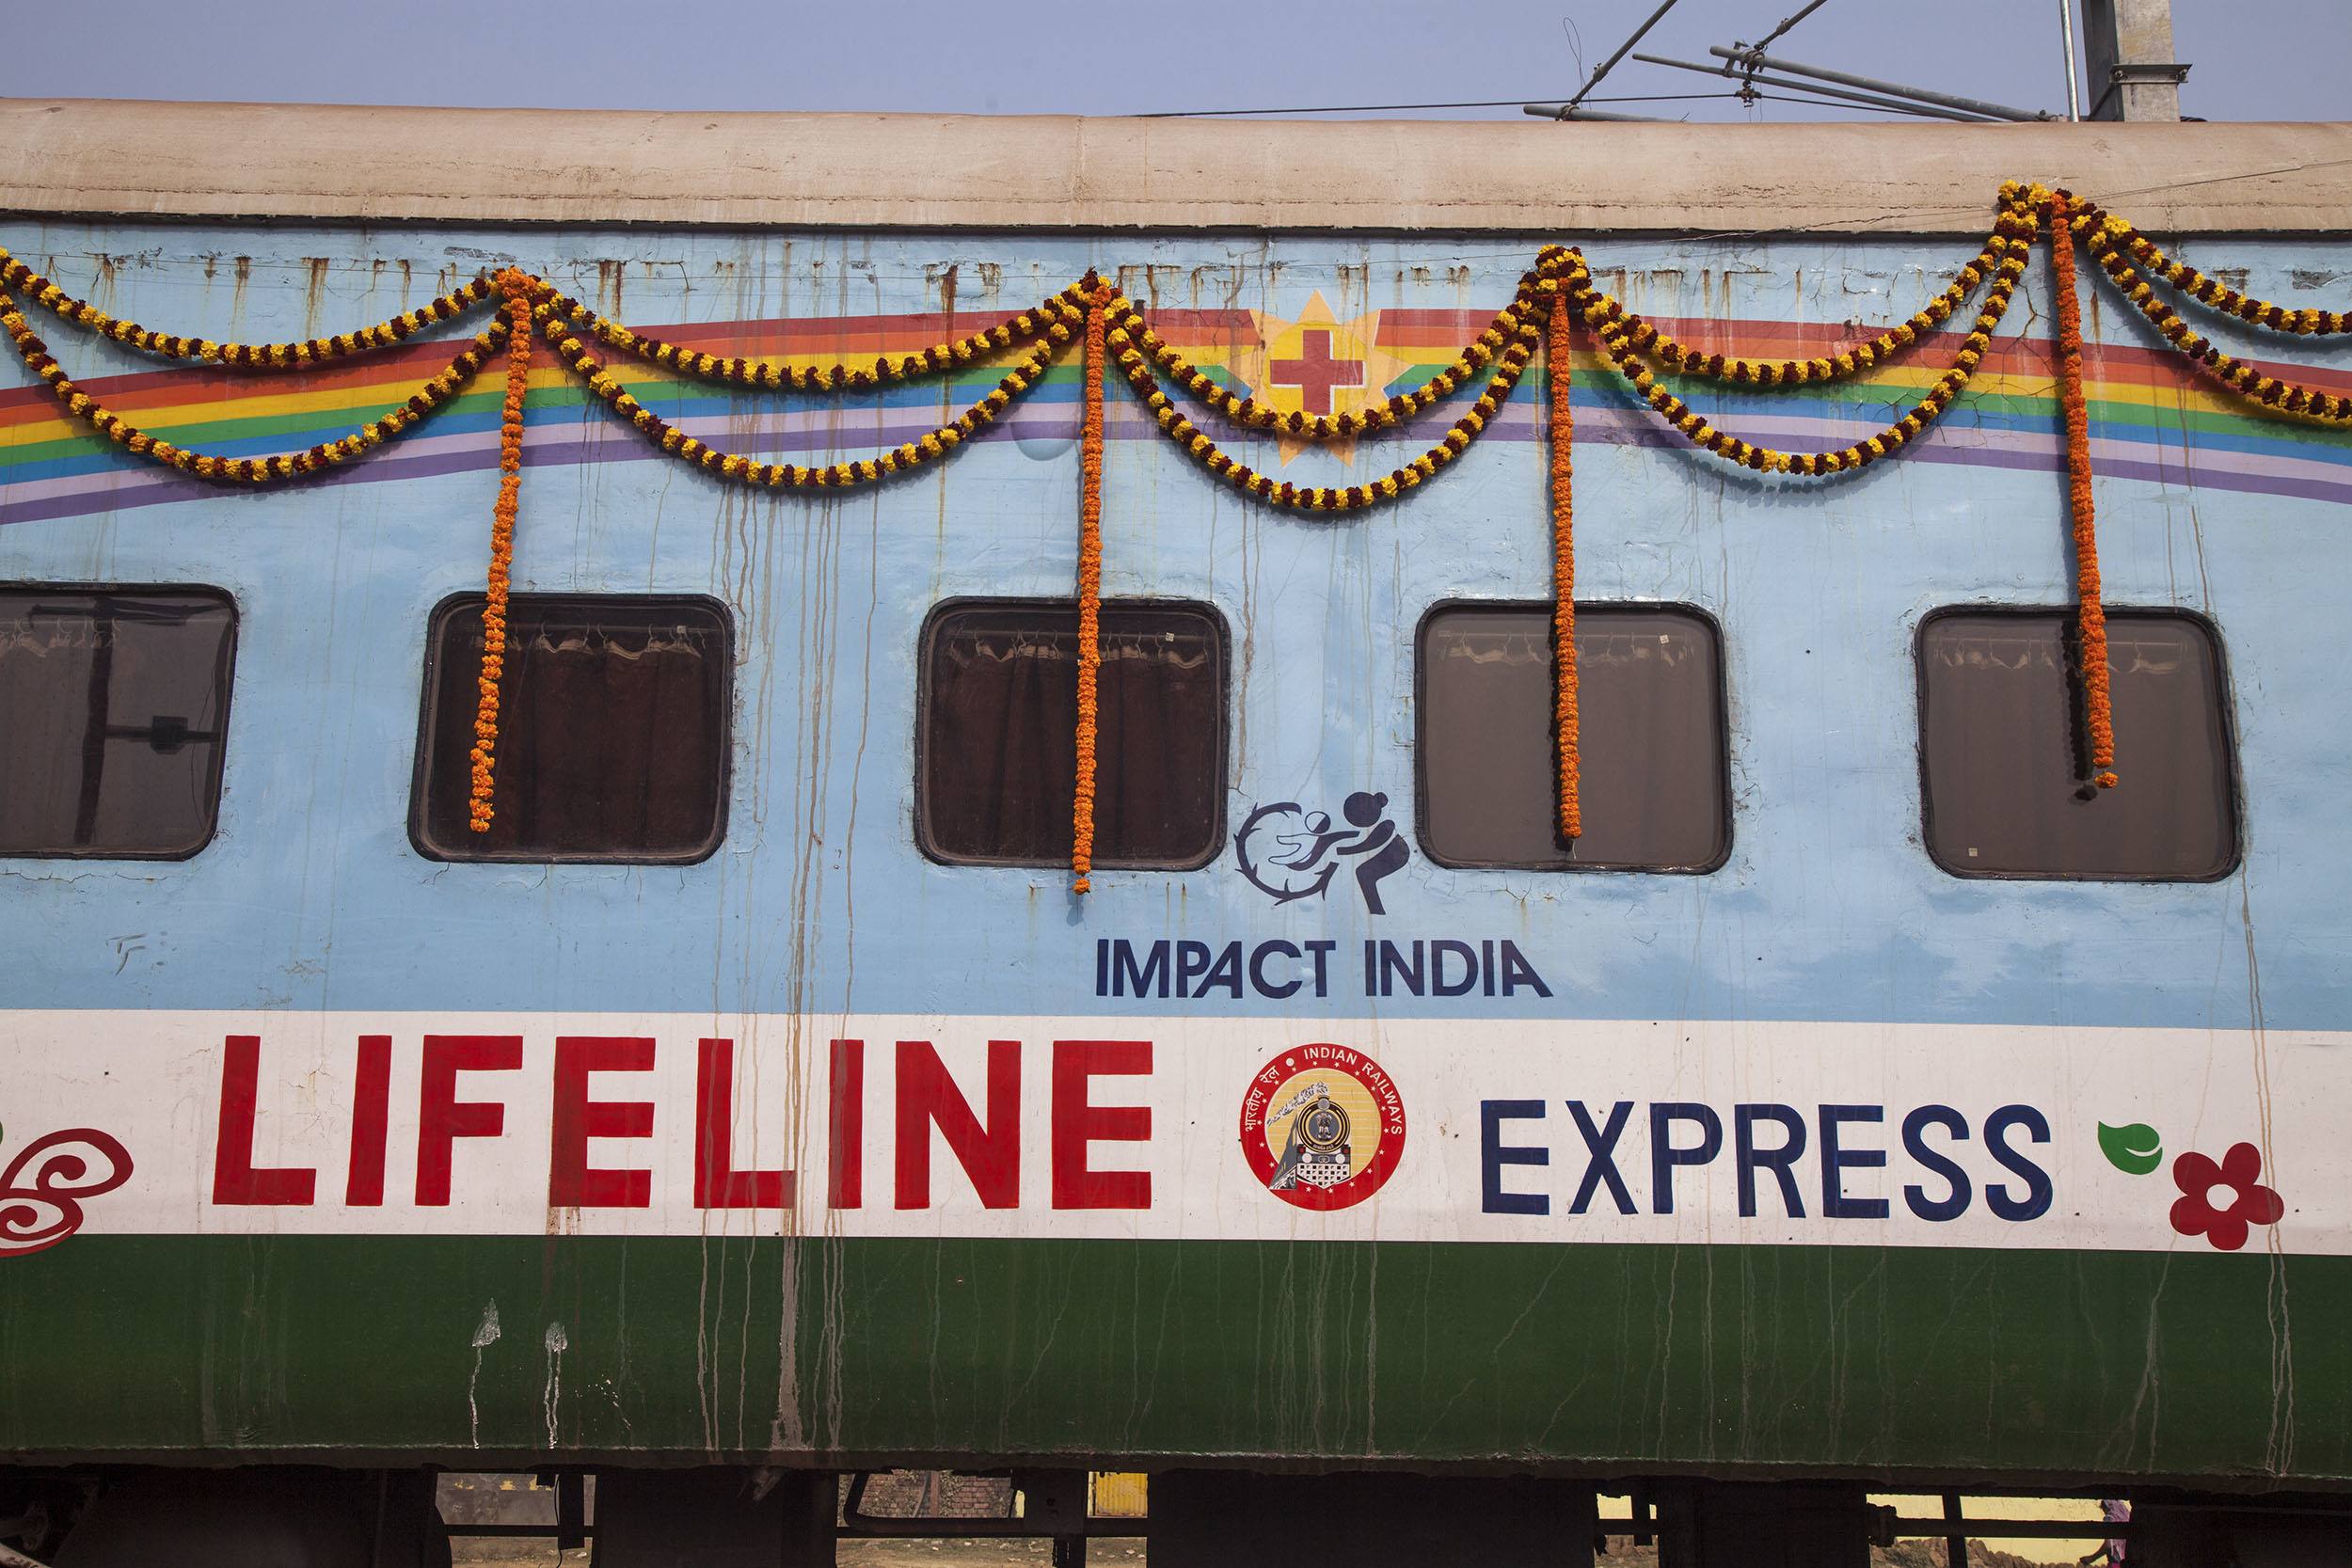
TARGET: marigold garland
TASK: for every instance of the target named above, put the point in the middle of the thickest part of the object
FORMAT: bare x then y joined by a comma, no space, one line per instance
1090,592
419,404
1563,571
1053,319
243,356
1299,426
2097,709
1655,345
1546,305
2266,392
2207,291
1512,361
1566,271
517,289
909,455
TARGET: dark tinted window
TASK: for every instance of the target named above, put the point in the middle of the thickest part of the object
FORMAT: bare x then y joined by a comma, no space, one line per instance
1650,722
2004,748
113,707
999,721
612,730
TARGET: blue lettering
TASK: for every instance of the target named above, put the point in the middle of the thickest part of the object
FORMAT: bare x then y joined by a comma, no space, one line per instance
1258,981
1226,972
1955,1201
1392,966
1664,1156
1836,1161
1128,980
1996,1196
1438,983
1494,1155
1778,1161
1322,950
1602,1165
1518,972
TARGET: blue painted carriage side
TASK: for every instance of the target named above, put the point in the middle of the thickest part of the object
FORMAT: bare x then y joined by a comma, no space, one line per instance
1828,908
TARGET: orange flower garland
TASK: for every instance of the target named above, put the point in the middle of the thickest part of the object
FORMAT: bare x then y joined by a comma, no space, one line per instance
1090,591
518,288
2096,708
1564,569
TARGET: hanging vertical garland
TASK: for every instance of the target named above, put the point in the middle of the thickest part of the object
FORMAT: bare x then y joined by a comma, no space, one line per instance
1564,567
517,286
1090,586
2091,616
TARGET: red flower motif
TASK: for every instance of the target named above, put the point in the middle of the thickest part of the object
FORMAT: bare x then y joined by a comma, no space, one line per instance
2252,1204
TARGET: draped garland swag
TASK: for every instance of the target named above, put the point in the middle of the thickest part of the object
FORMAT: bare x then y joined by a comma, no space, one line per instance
1550,301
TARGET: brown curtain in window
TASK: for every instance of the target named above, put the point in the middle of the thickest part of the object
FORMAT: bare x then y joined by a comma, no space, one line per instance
610,737
999,747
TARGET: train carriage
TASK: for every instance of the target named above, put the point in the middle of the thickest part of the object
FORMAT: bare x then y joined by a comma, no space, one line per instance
1039,796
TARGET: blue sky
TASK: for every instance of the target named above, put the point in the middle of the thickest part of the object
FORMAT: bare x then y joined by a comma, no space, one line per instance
2253,59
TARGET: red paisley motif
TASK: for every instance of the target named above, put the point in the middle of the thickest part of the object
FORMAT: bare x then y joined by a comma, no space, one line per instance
43,1187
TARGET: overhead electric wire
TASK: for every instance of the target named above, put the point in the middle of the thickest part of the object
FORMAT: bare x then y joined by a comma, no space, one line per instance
1474,103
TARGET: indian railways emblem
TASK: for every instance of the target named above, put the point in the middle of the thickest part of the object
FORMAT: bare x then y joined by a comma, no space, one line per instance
1323,1125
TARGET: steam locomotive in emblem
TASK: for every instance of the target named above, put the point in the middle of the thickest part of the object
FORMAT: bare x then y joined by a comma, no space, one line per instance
1317,1153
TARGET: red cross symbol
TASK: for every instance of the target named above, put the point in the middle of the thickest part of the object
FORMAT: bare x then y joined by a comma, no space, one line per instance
1315,373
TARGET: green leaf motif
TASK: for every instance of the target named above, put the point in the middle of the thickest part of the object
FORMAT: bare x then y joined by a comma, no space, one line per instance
2134,1149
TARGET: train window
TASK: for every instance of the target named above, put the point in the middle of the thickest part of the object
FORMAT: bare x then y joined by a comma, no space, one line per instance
2003,748
1653,759
114,702
612,730
999,709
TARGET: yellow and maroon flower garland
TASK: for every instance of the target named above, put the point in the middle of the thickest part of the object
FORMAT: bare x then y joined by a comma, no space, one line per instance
1651,344
1475,356
2109,232
516,286
1544,307
1511,361
254,357
2090,615
421,404
2234,375
1090,592
1053,320
1022,377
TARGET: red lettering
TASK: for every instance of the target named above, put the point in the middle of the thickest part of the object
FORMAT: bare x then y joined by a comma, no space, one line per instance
370,1099
441,1120
235,1178
572,1181
844,1138
991,1155
717,1183
1078,1123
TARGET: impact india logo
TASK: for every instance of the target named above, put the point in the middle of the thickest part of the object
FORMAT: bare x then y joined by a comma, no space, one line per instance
1323,1127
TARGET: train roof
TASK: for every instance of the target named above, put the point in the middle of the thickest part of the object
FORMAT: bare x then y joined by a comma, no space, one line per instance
945,172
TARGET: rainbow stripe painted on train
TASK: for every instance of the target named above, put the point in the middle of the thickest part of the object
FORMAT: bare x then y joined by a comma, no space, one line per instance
2150,420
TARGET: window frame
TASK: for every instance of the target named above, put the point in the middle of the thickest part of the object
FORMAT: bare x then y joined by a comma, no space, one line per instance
1728,821
1219,797
2226,696
228,600
421,775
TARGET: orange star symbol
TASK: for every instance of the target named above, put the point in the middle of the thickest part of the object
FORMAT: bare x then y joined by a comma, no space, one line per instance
1316,364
